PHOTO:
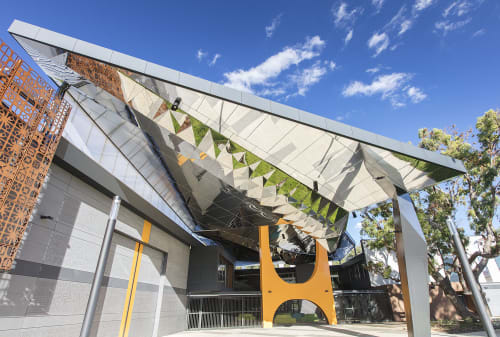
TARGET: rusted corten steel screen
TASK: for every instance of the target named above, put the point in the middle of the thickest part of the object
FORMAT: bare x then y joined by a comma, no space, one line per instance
32,118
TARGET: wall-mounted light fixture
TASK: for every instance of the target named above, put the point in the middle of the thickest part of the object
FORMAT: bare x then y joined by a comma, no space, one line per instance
176,104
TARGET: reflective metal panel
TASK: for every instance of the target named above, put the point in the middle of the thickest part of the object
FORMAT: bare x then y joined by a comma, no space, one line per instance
411,250
235,166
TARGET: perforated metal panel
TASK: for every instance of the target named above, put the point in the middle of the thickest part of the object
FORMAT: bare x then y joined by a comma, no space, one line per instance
32,118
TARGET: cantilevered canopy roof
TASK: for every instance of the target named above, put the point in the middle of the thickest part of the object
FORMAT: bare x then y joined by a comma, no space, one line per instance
239,160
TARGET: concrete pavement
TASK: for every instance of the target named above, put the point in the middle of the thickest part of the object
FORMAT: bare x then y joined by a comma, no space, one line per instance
341,330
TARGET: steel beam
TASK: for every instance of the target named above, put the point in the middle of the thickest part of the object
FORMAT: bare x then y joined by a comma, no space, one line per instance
411,249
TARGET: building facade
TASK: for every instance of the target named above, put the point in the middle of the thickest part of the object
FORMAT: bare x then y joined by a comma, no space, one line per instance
208,175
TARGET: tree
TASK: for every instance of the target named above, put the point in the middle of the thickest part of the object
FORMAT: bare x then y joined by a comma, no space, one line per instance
478,191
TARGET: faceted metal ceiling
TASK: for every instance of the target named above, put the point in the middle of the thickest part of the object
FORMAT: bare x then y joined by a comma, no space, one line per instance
238,167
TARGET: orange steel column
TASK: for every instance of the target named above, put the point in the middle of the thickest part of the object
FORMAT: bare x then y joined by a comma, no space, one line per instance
275,291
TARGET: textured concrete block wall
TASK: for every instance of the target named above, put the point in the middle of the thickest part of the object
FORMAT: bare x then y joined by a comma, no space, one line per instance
46,292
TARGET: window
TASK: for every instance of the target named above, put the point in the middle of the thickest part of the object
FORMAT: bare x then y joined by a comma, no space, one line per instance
225,272
221,273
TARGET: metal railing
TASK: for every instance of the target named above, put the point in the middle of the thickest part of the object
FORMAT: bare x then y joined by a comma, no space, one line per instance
362,306
224,310
243,309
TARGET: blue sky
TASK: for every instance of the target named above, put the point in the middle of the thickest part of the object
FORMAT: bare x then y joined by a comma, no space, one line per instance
387,66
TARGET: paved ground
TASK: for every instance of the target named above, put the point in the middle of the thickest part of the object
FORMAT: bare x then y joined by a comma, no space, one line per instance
345,330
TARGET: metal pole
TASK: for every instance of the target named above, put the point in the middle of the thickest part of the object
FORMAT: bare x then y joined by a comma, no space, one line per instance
100,268
471,280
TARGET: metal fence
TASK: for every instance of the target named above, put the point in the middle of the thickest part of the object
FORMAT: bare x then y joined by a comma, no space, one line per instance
233,310
224,310
362,306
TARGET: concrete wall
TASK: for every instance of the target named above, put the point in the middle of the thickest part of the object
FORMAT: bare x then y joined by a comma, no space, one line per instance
46,292
203,264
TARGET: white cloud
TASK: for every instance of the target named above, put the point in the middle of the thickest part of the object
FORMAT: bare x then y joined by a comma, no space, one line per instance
348,37
396,103
214,59
379,42
405,25
455,15
373,70
479,32
274,24
395,46
422,4
272,92
378,4
308,77
200,54
400,22
458,8
273,66
416,95
391,86
385,85
343,17
332,65
396,19
448,26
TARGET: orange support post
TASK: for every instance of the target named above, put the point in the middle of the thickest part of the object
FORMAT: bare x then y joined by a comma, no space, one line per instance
275,291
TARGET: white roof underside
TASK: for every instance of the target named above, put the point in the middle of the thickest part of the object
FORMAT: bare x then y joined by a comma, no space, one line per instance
347,162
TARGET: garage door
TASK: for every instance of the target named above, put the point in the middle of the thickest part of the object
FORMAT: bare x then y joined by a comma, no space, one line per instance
130,300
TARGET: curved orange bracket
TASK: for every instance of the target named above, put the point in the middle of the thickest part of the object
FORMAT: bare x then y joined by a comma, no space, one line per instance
275,291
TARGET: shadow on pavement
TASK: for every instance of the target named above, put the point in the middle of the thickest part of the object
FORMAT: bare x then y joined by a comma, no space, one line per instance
344,331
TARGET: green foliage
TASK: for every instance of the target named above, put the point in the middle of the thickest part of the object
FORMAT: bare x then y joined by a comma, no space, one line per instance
333,216
378,225
338,214
199,130
479,188
324,211
237,164
478,191
436,172
284,319
382,269
277,177
288,186
301,192
175,123
315,201
216,150
263,168
307,201
235,148
251,158
307,318
246,317
218,139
